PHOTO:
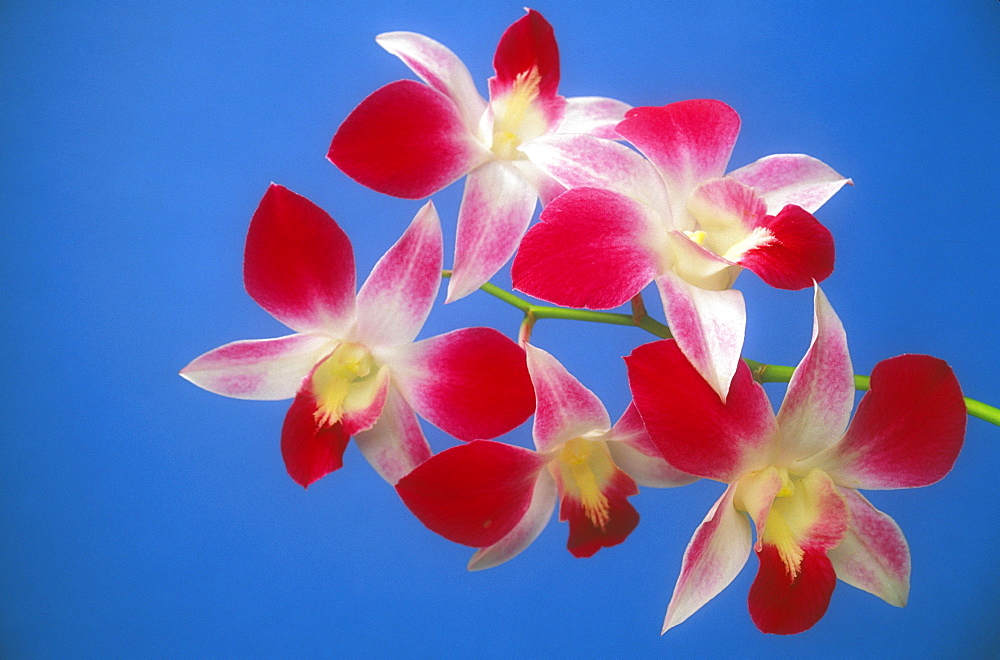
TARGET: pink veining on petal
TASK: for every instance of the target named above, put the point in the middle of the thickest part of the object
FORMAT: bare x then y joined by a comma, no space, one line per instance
593,115
395,445
785,179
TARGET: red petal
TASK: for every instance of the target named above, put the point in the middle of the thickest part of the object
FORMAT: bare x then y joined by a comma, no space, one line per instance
298,263
473,494
528,43
800,251
693,429
310,451
405,140
585,538
782,605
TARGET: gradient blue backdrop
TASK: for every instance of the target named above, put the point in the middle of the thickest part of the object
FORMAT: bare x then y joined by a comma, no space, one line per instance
143,517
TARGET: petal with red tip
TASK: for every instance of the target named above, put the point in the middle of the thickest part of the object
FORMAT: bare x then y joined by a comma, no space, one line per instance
793,250
708,325
298,264
395,445
907,431
716,554
785,179
820,395
632,450
783,605
311,450
543,503
496,208
405,140
397,297
873,555
688,141
687,421
593,248
472,383
564,408
365,401
593,115
586,537
529,43
438,67
474,494
261,369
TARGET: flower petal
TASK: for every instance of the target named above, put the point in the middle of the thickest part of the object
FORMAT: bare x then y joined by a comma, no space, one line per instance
593,248
792,250
474,494
907,431
543,502
311,450
708,325
365,401
585,537
405,140
634,452
397,297
785,179
716,554
693,429
593,115
472,383
395,445
261,369
820,395
299,265
783,605
440,68
727,211
496,208
564,408
529,43
873,555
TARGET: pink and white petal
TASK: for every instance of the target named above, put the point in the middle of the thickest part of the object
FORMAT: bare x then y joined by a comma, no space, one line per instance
298,264
634,452
474,494
756,494
529,43
311,450
716,554
586,537
564,408
398,295
908,430
593,115
687,421
545,186
543,503
873,555
365,402
260,369
699,266
440,68
406,140
727,211
472,383
688,141
496,208
791,179
820,395
583,160
784,605
395,445
790,250
593,248
709,327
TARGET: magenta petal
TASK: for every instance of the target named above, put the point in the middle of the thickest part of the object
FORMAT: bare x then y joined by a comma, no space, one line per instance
473,494
397,297
395,445
496,208
471,383
586,538
635,453
593,248
693,429
298,264
311,450
543,503
784,605
529,43
798,250
405,140
908,429
784,179
564,408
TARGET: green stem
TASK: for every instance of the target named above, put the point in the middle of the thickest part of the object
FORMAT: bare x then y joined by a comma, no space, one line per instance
762,373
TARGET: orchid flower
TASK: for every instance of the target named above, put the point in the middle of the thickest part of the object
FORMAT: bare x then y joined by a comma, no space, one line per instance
352,365
795,475
679,220
410,140
498,497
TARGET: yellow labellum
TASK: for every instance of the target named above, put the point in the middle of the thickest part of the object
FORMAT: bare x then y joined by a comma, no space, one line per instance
333,379
585,466
516,118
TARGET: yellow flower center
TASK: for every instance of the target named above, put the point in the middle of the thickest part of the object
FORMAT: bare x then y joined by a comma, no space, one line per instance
583,468
516,117
334,380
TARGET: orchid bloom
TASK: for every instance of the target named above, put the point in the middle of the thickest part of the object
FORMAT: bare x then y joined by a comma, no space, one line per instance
795,475
411,140
676,218
498,497
352,365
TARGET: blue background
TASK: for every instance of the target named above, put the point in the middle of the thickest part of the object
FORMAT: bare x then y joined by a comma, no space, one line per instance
144,517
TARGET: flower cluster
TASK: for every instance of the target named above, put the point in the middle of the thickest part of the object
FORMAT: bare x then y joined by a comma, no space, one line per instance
629,196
